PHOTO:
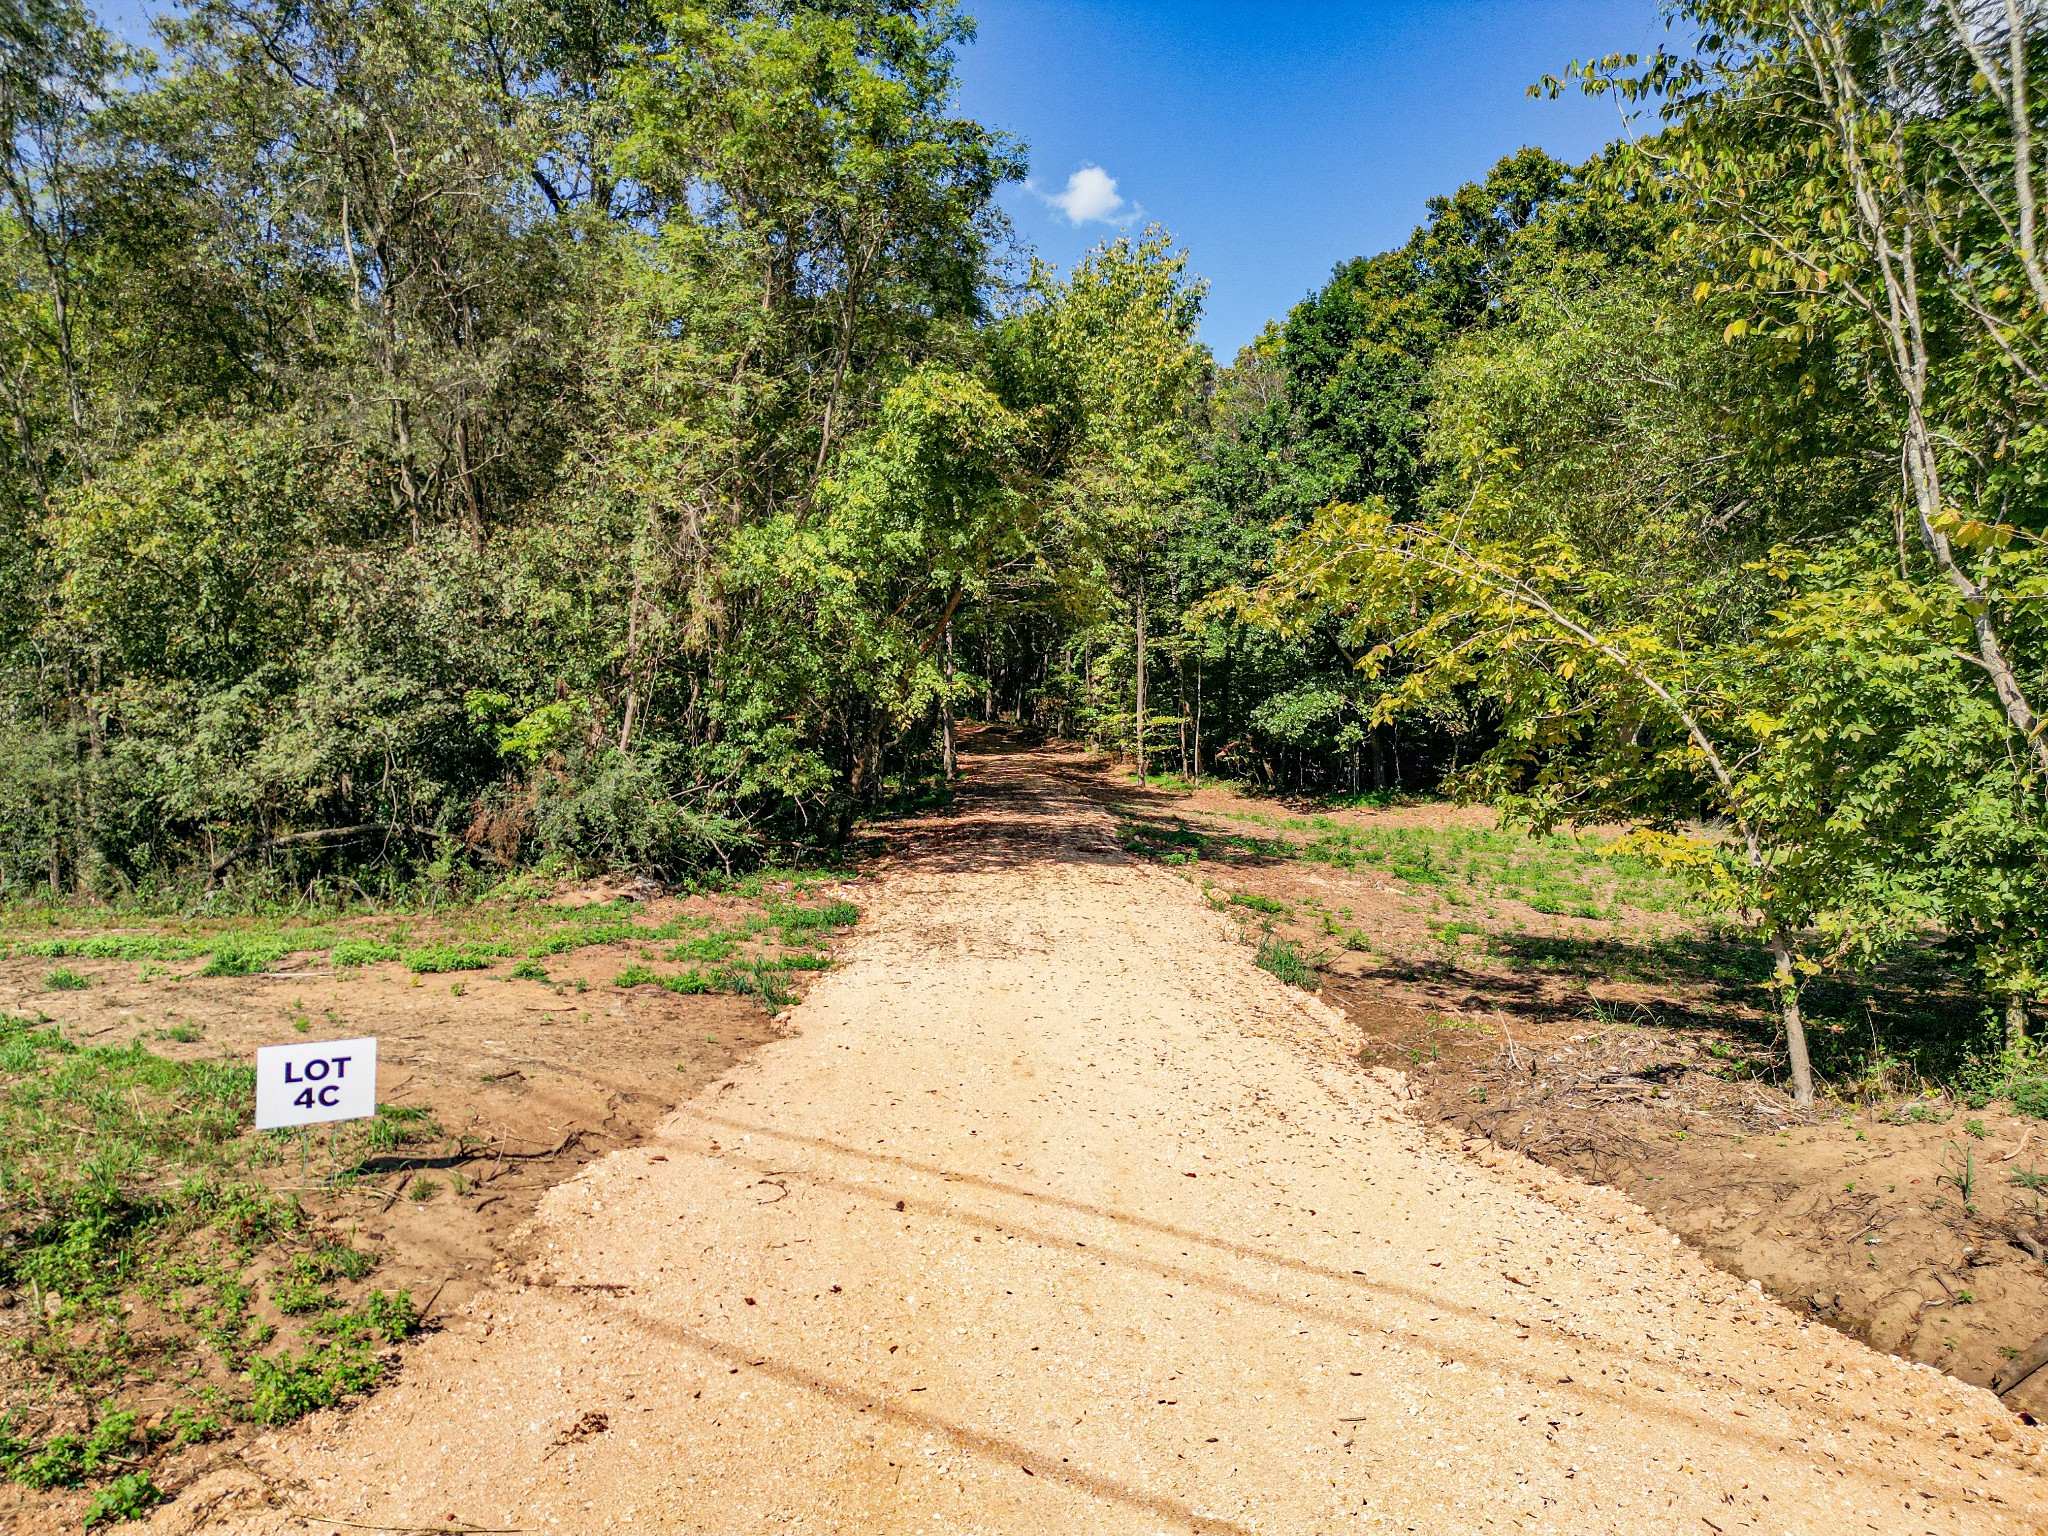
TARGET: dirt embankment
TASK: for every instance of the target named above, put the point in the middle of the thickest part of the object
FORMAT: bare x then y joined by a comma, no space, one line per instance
1916,1235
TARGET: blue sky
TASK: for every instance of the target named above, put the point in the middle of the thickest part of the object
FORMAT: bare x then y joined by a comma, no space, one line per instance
1276,138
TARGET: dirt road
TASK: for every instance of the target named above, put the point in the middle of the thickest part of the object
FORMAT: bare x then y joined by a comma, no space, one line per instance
1057,1216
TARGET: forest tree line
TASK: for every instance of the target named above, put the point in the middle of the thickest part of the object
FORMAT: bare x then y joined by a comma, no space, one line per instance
448,437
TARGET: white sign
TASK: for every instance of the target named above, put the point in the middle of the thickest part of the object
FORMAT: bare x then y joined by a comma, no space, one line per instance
314,1083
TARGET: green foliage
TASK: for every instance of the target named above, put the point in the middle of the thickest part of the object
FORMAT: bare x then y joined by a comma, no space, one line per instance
2030,1095
245,954
1284,960
594,500
344,1359
130,1496
64,980
802,925
688,983
115,946
1257,902
432,959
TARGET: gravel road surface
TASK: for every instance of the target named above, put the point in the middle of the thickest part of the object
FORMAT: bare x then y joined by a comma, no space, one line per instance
1055,1215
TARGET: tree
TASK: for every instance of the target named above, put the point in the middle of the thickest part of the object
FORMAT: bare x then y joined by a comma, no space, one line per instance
1118,337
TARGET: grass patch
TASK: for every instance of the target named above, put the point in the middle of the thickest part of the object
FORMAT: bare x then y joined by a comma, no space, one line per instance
1257,903
1287,962
115,946
350,954
690,983
137,1228
804,925
436,959
64,979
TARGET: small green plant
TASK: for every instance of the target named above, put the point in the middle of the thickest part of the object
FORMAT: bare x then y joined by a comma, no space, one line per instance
128,1497
421,1191
1282,959
1258,903
2030,1095
351,953
245,954
1959,1167
798,924
436,958
189,1428
64,979
1975,1129
343,1361
457,988
706,947
530,970
395,1126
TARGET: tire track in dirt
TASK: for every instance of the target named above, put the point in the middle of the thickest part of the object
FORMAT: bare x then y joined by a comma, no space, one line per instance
1055,1215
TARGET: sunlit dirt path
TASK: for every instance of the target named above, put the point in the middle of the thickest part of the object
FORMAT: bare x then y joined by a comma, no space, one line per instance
1057,1216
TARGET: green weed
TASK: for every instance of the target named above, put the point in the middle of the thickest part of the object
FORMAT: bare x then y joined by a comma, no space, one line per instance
65,980
114,946
689,983
1258,903
432,959
1287,962
128,1497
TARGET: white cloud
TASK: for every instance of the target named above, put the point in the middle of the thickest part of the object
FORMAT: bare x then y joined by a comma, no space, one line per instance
1091,197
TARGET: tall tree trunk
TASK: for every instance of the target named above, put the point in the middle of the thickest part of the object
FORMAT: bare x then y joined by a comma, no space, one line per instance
1785,982
946,706
1180,680
2015,1023
1141,680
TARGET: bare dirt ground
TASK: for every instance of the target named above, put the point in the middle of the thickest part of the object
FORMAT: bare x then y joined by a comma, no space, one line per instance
1916,1225
1053,1214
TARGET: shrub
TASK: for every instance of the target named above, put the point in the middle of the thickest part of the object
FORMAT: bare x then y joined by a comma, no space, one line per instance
65,980
617,812
350,953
